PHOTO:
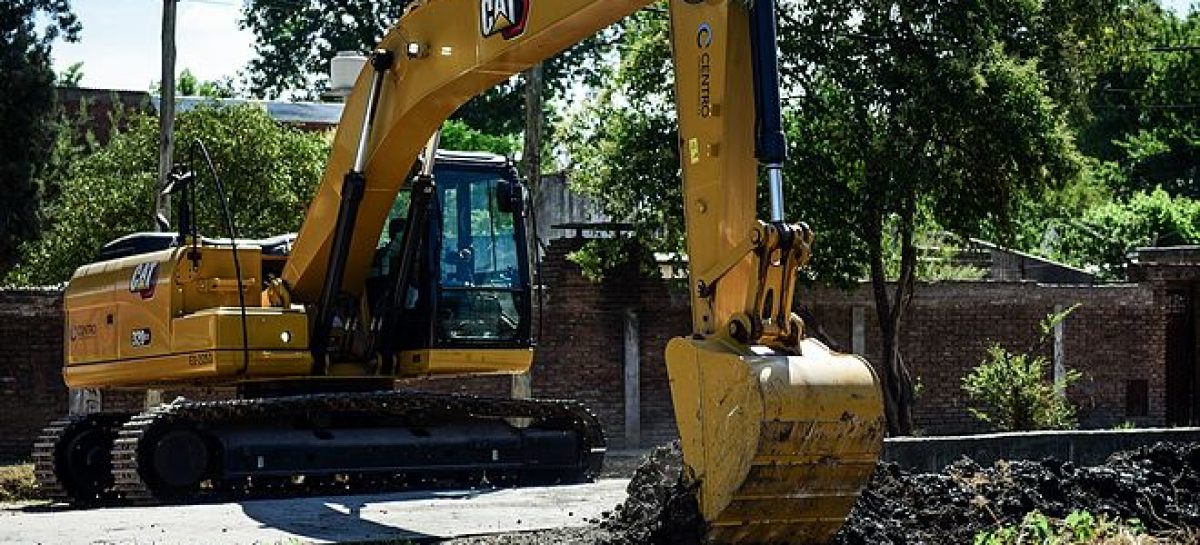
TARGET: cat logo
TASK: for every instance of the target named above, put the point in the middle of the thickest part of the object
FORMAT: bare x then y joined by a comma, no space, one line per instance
140,338
144,279
504,17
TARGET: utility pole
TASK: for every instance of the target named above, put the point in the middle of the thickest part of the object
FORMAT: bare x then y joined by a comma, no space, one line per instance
166,115
166,141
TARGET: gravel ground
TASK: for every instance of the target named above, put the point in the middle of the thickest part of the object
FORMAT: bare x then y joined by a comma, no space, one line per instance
1158,485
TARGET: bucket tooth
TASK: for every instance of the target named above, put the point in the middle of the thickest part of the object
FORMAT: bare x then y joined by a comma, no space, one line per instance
781,445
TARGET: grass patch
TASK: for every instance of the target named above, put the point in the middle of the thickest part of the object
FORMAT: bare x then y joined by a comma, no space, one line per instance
17,483
1079,528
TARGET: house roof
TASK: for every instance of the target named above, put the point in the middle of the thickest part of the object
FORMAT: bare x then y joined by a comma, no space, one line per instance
300,113
1009,264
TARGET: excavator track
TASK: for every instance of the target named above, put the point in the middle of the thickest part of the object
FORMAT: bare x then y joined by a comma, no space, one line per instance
71,458
154,454
44,470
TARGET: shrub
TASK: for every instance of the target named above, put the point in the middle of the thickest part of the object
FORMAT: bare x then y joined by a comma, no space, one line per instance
1014,392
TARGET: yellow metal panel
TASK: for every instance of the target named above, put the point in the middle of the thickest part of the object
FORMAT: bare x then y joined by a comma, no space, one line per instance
203,367
214,282
715,98
443,361
221,329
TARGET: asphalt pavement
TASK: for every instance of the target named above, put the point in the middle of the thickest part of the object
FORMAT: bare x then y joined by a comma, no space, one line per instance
414,516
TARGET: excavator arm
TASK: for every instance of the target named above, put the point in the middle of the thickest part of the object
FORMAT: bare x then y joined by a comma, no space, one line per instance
779,432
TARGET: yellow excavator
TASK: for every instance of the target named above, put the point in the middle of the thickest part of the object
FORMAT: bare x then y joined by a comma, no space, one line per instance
413,262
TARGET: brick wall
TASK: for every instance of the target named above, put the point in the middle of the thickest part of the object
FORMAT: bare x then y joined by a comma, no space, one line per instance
580,353
31,387
1116,336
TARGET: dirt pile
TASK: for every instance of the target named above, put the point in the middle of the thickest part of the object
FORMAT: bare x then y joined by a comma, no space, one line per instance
661,507
1159,485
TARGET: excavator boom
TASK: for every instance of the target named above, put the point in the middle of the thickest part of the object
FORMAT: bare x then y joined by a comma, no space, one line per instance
780,432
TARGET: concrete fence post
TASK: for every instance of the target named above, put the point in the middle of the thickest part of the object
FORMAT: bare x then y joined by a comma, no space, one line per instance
633,389
1060,356
858,330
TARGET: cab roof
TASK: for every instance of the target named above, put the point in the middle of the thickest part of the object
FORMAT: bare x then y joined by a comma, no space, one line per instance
473,158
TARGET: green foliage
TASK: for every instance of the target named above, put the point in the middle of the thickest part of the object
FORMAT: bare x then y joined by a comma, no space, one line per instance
270,172
918,108
938,260
188,85
1141,134
1014,392
623,144
71,76
295,45
1144,102
900,109
1039,221
1102,236
457,135
26,112
599,258
191,86
1078,528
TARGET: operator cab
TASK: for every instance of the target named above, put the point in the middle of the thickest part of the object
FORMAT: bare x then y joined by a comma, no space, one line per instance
470,287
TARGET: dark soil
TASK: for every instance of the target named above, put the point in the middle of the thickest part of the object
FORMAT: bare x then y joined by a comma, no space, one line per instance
661,507
1159,485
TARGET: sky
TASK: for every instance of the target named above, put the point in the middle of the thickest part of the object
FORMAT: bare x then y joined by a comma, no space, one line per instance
119,45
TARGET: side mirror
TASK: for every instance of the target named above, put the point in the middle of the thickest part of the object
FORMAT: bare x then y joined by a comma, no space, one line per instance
511,197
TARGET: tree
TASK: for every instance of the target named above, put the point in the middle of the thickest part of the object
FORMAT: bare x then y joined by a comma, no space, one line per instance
26,112
1141,134
191,86
926,109
270,172
623,146
904,112
457,135
188,85
1144,103
1101,237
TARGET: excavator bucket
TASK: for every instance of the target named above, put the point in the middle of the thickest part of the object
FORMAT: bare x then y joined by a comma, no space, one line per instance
780,445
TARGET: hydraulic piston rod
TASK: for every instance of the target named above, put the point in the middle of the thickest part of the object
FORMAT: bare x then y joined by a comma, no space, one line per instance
353,186
770,146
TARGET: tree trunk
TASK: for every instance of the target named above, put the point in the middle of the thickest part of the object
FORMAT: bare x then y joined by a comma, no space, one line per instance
532,154
897,381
